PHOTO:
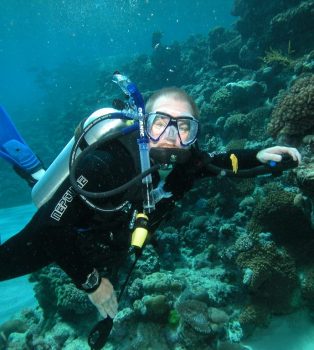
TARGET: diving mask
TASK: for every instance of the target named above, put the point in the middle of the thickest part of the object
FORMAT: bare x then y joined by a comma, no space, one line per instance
160,124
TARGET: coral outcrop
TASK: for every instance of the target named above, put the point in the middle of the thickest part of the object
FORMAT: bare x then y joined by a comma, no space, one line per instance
240,96
305,179
298,22
273,278
293,116
57,294
275,212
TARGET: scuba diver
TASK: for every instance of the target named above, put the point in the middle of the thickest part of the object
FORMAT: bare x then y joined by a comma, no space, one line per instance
114,183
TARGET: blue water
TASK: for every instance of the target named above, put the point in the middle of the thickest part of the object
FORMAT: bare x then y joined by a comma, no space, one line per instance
41,34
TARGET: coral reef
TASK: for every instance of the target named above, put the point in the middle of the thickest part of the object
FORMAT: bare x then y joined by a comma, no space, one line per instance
32,331
57,294
252,316
224,46
294,114
240,96
72,301
250,126
200,317
236,126
271,269
254,17
307,287
305,178
276,57
298,22
195,314
200,324
8,327
275,212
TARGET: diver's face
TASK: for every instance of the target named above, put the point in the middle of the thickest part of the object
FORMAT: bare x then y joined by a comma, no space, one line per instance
175,108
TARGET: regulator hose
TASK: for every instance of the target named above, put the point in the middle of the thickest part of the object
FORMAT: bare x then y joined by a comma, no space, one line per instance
74,161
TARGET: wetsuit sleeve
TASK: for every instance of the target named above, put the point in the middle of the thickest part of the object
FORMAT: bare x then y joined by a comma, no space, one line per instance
51,235
246,159
47,239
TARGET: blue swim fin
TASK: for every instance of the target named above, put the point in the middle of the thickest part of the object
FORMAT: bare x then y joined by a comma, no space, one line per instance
14,149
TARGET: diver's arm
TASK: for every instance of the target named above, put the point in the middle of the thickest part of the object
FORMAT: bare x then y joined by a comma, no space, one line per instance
200,165
23,253
55,233
206,161
249,163
41,242
246,158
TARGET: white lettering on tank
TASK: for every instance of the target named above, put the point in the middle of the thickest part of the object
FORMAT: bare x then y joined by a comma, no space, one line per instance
66,198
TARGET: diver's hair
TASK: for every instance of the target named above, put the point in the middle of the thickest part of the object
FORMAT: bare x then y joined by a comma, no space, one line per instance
177,94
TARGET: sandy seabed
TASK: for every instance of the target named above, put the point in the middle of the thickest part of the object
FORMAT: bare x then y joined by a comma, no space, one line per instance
16,294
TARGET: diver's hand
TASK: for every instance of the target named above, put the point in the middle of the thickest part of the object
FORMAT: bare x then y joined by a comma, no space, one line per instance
104,298
275,154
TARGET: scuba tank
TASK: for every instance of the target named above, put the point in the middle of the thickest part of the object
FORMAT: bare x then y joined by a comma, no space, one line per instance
59,169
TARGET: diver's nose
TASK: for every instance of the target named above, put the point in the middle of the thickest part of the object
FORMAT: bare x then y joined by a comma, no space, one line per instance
171,133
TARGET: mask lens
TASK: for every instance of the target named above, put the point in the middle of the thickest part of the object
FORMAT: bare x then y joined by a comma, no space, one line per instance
156,125
187,127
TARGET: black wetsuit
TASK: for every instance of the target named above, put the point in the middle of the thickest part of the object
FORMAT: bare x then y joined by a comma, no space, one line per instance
68,232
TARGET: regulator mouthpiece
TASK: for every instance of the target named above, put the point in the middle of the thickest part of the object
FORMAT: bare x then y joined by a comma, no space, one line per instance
170,155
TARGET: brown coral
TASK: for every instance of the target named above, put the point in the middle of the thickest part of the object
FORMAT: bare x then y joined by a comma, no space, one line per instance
305,178
11,326
202,319
195,313
275,212
253,316
294,114
274,279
